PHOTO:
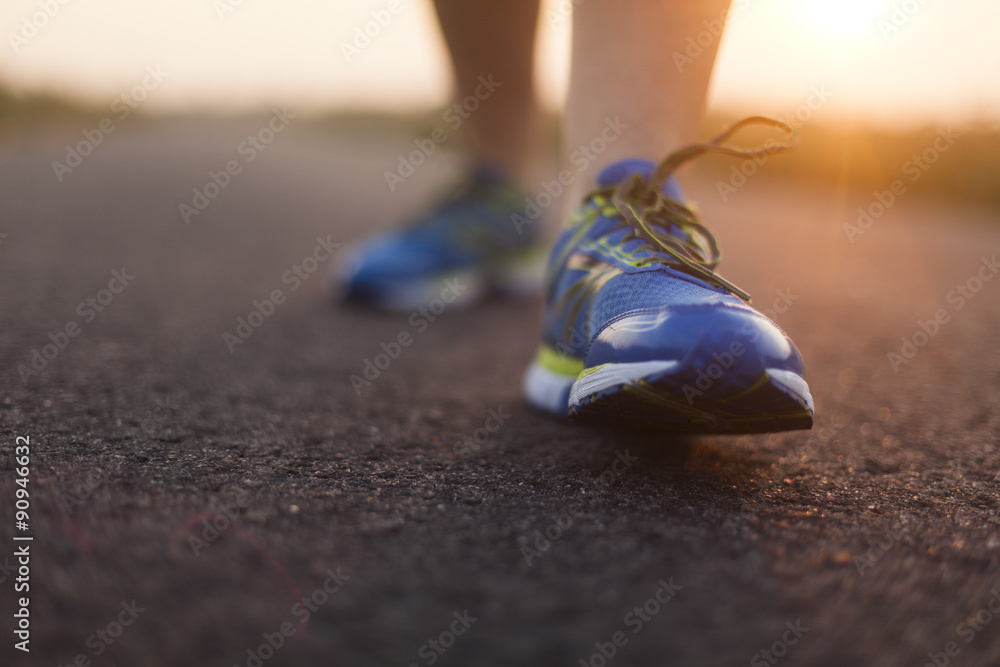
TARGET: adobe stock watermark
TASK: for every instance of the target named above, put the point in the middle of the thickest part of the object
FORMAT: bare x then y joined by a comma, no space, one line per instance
581,158
214,524
740,519
545,537
294,277
303,610
957,298
877,549
724,360
538,543
561,12
32,25
635,620
779,649
364,34
900,15
69,501
105,637
454,117
7,569
914,169
420,319
122,107
795,119
471,444
967,630
248,149
225,7
781,304
159,415
435,647
88,309
695,46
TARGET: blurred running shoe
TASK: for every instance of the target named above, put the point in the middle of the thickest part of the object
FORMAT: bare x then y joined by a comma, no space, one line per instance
466,247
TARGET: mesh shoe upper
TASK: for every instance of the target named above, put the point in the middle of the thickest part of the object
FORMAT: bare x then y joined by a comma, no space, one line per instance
602,276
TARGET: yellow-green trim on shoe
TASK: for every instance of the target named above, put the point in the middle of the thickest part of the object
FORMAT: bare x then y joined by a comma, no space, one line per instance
591,371
557,362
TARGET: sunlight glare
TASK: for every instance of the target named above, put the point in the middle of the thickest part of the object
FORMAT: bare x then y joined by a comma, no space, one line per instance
845,18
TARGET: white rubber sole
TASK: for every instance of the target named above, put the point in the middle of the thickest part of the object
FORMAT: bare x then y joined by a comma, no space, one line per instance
455,290
547,390
519,276
615,375
556,393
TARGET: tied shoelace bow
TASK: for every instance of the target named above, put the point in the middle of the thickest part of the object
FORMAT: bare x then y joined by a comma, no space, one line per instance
673,228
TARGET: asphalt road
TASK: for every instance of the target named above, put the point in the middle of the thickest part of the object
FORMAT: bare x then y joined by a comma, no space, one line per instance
871,540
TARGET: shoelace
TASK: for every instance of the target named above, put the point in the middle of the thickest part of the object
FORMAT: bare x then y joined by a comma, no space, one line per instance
673,228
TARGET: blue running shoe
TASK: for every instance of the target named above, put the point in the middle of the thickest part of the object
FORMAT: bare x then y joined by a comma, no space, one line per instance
464,249
640,330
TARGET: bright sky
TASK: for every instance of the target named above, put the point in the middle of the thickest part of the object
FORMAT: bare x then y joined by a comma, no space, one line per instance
894,61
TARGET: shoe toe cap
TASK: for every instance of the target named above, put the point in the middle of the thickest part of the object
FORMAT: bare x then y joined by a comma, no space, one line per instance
697,337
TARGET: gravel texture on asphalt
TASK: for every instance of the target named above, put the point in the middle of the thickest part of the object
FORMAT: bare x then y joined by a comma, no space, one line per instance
871,540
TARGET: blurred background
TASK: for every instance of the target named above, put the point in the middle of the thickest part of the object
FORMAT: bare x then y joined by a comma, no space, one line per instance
895,71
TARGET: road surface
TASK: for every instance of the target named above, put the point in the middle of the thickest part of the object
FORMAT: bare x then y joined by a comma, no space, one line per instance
198,499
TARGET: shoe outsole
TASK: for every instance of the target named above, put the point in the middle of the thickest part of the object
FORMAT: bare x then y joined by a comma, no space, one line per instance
515,276
665,395
766,406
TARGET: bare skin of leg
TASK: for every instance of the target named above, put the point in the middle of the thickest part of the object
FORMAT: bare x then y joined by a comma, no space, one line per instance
623,67
496,39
